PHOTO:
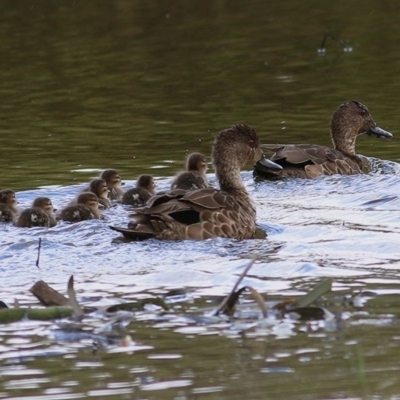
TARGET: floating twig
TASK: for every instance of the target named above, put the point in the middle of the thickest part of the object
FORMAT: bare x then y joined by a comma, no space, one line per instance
322,50
38,253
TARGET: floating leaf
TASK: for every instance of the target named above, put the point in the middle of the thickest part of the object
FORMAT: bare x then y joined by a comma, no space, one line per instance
319,290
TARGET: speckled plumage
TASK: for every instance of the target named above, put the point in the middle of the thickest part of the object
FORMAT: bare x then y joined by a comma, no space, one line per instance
87,207
310,160
138,196
206,213
40,214
194,176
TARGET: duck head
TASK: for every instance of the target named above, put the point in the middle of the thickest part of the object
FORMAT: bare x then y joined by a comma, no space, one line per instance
350,120
45,204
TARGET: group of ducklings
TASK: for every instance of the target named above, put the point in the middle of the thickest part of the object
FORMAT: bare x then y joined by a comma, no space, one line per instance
99,194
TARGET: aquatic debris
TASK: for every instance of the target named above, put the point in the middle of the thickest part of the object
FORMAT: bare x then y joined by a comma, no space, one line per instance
322,50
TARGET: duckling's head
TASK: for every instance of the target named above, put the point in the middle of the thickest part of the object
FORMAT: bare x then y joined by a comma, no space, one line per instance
45,204
7,197
196,162
350,120
99,188
88,199
146,182
112,178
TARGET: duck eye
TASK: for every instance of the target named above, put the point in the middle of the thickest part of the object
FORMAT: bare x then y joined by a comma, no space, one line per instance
251,143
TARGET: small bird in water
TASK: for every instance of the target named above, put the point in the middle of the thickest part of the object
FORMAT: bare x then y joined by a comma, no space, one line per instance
8,205
40,214
87,207
138,196
194,176
113,180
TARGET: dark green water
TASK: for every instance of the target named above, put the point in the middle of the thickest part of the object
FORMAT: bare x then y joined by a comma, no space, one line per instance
135,85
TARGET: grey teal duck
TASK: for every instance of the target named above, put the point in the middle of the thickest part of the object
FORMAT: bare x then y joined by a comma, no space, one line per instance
207,213
350,120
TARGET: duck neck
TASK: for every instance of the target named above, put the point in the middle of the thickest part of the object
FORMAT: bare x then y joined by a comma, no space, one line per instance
345,142
230,181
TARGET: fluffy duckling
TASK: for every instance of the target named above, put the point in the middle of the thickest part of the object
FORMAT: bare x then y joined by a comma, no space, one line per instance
40,214
100,189
207,213
113,180
87,207
350,120
8,205
194,176
138,196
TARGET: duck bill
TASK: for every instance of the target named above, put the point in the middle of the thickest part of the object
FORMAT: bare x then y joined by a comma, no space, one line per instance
268,164
378,132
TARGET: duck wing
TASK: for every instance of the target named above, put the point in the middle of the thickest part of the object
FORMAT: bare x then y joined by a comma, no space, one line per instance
302,154
179,214
308,161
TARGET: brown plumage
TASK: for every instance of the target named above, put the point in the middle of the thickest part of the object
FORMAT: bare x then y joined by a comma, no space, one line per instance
113,180
8,205
310,160
40,214
138,196
87,207
207,213
194,176
99,187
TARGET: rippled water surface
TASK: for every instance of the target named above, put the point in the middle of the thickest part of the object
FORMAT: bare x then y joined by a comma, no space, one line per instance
135,86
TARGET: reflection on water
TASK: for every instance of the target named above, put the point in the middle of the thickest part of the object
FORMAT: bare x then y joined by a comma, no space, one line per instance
137,85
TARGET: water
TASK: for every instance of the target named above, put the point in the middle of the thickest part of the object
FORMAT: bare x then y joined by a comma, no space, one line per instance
135,86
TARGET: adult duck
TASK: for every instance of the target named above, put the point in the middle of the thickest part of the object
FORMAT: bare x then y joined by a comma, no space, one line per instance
40,214
350,120
194,176
207,213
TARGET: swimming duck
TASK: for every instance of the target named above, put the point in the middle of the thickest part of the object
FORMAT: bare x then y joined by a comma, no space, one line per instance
99,187
40,214
194,176
350,120
87,207
8,205
113,180
137,196
207,213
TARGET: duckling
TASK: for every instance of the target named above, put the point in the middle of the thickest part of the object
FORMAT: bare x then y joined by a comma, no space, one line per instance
145,188
99,188
8,205
350,120
207,213
113,180
87,207
40,214
194,176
